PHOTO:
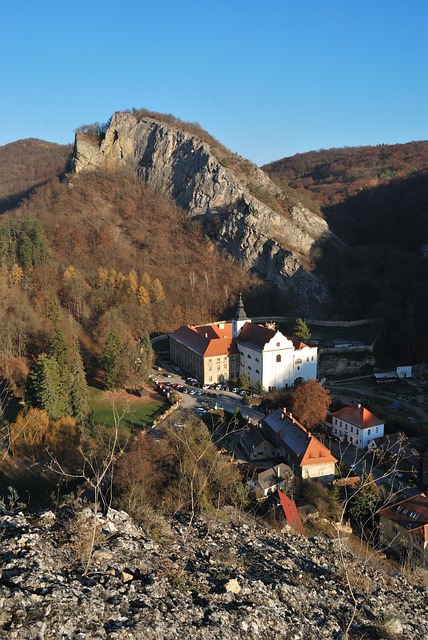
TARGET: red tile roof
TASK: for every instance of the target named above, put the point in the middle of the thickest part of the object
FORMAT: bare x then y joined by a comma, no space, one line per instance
291,513
206,340
358,415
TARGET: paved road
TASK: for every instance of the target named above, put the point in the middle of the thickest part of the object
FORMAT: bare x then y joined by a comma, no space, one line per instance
218,399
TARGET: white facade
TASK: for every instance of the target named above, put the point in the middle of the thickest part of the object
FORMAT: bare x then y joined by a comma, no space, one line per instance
357,426
276,363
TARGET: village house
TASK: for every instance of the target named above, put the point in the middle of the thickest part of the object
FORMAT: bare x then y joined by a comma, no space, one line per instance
306,455
403,529
223,351
254,444
267,481
356,425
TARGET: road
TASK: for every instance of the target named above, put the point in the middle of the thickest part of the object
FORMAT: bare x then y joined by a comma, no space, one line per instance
217,399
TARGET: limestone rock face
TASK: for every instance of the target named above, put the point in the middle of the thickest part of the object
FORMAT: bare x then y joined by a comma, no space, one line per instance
276,245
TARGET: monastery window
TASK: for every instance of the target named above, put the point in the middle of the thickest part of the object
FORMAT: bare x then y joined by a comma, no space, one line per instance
278,358
352,429
312,358
307,359
218,367
210,360
299,361
369,431
210,368
377,429
218,359
257,371
249,356
257,360
357,431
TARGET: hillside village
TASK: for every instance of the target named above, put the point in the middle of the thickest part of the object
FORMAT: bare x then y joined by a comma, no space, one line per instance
276,452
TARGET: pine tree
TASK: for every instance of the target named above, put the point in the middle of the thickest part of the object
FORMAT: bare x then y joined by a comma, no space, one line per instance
59,352
114,361
79,394
146,356
301,330
53,307
44,388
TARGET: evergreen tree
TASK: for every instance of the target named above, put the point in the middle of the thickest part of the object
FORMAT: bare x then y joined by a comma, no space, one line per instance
53,307
301,330
146,356
244,381
44,389
79,395
114,361
59,352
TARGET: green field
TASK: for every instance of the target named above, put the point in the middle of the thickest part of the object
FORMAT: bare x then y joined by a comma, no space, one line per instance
132,411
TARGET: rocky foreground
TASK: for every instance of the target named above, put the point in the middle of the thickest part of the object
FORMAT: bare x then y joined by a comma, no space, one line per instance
207,579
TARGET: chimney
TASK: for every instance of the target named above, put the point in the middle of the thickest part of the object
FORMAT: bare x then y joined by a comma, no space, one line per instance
206,335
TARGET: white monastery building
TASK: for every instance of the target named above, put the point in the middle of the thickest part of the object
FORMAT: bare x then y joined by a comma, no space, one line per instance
223,351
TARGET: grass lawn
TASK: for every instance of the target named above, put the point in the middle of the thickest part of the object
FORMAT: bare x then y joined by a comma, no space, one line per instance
132,410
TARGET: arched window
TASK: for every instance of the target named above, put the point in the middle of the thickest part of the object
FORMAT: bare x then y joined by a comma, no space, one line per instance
278,357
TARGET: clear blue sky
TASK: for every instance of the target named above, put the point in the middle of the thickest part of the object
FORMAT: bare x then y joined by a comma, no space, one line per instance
268,79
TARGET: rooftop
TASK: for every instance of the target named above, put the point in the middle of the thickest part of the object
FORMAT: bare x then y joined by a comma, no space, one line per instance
358,415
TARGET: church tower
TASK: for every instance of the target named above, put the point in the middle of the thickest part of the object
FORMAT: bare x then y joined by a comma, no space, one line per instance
240,319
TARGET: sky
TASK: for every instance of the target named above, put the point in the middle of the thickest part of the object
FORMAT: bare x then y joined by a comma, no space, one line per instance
267,79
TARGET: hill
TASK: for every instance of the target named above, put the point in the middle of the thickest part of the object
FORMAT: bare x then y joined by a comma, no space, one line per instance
27,164
375,200
331,176
267,231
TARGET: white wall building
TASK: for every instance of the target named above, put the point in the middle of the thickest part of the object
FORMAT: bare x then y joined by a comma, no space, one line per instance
356,425
224,351
269,357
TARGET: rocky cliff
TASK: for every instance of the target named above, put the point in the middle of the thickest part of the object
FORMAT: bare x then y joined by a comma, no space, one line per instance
205,580
238,205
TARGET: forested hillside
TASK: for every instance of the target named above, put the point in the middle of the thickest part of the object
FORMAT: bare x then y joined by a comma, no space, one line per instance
101,251
26,164
375,200
333,175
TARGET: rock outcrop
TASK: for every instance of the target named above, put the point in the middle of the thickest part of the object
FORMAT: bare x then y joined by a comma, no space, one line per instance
238,205
206,580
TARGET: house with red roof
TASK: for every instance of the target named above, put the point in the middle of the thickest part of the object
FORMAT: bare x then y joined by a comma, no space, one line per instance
223,351
403,528
356,425
302,451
